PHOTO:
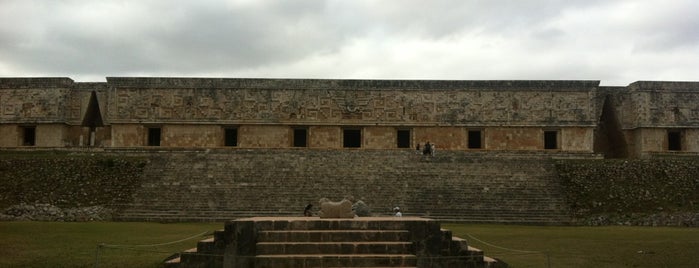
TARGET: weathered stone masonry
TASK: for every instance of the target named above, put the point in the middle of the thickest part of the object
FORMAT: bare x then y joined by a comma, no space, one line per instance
642,119
265,112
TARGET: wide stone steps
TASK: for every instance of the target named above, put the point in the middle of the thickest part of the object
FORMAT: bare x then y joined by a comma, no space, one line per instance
547,217
508,220
430,213
225,184
264,248
319,260
333,235
491,196
193,255
312,242
343,243
427,203
316,253
464,190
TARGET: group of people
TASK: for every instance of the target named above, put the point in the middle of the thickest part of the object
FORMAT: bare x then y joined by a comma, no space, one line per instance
428,149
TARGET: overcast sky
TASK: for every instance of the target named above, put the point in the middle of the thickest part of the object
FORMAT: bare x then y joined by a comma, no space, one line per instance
617,42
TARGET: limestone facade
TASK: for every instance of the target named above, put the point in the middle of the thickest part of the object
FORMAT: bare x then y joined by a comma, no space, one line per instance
644,118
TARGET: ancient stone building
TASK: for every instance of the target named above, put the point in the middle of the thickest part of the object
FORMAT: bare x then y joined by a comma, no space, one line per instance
640,120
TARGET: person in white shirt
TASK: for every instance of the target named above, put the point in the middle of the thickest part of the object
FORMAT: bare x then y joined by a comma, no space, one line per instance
396,210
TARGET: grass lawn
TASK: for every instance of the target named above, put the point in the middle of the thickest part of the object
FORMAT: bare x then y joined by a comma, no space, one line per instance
61,244
610,246
55,244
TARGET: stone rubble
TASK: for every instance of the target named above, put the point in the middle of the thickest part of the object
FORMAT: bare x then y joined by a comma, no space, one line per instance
48,212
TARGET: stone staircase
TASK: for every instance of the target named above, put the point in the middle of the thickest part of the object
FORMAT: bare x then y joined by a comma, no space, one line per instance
334,248
299,242
220,185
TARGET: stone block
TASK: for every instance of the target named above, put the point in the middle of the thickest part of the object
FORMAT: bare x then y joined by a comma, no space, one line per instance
330,209
207,245
361,209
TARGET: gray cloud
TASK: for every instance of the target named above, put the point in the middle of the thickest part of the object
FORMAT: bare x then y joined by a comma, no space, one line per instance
616,41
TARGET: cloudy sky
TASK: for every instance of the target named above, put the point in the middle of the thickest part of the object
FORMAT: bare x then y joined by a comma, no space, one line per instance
617,42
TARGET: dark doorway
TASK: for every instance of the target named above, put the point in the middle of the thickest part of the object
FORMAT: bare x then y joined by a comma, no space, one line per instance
352,138
403,136
674,140
300,137
230,137
550,139
154,136
474,139
29,136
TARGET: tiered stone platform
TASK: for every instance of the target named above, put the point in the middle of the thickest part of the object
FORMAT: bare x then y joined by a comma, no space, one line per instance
219,185
299,242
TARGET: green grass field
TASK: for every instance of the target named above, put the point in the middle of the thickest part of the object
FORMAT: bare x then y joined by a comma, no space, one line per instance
60,244
49,244
612,246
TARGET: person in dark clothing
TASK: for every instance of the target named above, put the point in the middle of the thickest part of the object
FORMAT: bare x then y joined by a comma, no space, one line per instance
428,149
307,211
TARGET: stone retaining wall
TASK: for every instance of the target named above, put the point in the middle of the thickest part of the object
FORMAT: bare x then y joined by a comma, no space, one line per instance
654,192
68,180
48,212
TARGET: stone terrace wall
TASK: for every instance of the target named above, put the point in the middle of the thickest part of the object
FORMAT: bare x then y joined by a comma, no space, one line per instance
36,180
632,192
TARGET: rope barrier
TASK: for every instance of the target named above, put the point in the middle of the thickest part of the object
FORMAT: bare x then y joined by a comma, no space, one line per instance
504,248
548,257
141,247
161,244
